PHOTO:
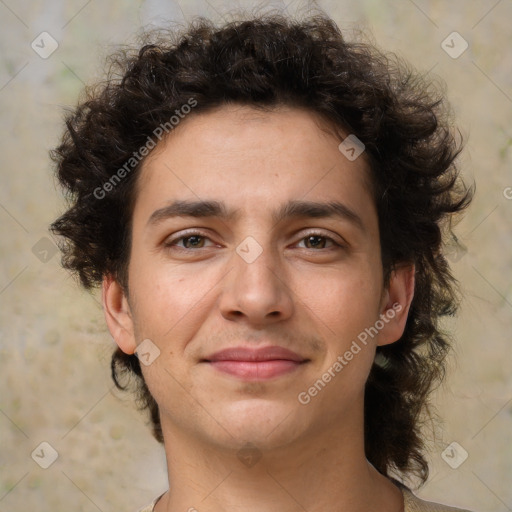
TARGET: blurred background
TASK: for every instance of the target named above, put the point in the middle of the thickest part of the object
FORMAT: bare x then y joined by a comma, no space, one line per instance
55,349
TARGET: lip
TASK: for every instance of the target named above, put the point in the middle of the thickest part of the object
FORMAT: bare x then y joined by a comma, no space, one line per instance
256,364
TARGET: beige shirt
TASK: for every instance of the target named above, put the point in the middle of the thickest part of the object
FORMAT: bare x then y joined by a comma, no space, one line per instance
412,504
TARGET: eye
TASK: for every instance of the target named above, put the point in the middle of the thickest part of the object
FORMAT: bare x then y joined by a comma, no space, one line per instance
192,240
319,241
197,240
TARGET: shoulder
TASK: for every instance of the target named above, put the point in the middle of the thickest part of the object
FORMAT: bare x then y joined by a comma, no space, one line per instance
148,508
415,504
411,502
151,506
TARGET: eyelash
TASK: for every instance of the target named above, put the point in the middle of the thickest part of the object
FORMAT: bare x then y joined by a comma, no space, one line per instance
172,243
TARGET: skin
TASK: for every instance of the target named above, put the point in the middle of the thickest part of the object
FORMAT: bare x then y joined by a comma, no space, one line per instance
196,296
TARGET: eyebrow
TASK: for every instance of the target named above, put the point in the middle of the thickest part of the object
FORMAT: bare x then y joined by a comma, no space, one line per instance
289,210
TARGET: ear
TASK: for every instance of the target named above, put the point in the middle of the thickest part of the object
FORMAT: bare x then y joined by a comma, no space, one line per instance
118,314
395,304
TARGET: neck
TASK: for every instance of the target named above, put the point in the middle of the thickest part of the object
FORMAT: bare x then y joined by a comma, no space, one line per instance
325,471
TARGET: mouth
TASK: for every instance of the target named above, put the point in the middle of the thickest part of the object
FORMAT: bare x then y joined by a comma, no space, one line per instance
256,364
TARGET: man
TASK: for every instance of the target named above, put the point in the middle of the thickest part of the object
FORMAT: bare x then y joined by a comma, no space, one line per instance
264,206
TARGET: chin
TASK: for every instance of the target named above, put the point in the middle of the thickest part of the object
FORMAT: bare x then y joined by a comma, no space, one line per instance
264,423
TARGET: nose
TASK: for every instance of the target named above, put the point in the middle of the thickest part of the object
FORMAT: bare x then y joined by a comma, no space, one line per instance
256,291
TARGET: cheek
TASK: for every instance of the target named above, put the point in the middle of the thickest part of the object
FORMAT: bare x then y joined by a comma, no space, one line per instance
341,306
344,299
168,298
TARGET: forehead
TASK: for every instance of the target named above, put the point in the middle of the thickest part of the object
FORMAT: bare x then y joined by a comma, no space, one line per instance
251,158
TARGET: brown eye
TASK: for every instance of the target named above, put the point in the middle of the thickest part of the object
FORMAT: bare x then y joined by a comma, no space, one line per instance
318,241
190,241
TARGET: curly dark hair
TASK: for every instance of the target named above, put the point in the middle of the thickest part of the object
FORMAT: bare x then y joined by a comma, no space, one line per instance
267,61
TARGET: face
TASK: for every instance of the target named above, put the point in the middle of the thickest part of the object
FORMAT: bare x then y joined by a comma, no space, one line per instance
255,266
